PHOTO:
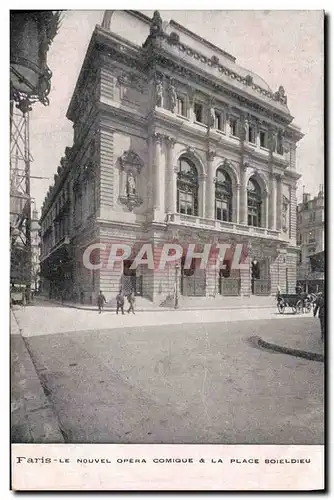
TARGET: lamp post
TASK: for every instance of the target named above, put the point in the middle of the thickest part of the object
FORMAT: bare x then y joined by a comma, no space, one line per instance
176,304
253,276
31,34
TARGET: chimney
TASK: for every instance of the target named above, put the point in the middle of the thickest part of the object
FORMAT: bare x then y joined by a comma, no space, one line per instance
306,197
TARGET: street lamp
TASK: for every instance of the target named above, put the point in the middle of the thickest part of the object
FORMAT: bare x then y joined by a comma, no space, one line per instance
176,304
31,34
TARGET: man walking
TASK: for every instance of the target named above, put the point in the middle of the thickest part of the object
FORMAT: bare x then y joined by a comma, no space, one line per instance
100,301
120,302
320,306
131,300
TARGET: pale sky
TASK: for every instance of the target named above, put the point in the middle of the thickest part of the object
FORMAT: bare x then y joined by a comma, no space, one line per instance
283,47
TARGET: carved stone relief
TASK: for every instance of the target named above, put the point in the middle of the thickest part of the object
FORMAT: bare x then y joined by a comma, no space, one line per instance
130,168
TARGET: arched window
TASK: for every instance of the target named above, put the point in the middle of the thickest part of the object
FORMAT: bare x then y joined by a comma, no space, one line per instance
223,196
254,201
187,188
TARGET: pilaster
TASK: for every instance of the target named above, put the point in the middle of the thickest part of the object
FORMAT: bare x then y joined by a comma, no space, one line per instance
202,193
273,202
243,194
170,176
210,186
237,204
279,203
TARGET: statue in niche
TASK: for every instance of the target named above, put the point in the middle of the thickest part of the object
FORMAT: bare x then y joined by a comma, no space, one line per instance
158,93
212,116
285,207
130,184
280,95
245,127
172,97
272,140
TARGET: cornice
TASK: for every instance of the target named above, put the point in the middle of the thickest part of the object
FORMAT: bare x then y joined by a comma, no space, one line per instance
195,74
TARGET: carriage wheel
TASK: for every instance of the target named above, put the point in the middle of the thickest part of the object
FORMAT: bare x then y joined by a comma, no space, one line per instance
294,309
281,307
299,306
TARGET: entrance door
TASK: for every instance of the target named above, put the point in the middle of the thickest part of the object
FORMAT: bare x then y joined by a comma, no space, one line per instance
193,279
128,278
261,277
229,280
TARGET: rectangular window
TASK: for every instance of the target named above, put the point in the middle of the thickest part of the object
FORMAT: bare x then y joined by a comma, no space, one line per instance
222,210
218,121
181,106
251,134
198,110
186,203
263,139
234,126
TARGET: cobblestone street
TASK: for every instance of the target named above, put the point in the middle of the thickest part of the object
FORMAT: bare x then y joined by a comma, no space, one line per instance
200,382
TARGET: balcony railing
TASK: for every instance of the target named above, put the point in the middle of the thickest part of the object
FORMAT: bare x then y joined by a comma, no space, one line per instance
233,227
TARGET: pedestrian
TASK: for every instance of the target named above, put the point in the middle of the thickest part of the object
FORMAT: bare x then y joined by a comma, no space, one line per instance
100,301
131,300
320,306
120,302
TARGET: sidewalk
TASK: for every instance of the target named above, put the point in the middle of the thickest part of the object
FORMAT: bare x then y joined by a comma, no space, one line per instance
185,304
304,344
49,319
32,417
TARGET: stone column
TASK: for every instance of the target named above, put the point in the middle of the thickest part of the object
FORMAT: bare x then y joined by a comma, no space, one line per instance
156,171
170,177
190,104
243,195
227,122
279,203
210,187
257,134
273,201
150,173
236,218
266,209
201,195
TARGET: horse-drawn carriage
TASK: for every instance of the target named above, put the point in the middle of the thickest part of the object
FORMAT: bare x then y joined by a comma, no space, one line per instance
299,303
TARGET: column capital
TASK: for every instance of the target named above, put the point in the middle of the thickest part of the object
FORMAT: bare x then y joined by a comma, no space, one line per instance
202,177
237,186
278,177
170,141
158,137
210,155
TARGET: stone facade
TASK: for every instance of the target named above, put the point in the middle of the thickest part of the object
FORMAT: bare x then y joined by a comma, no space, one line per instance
310,238
142,111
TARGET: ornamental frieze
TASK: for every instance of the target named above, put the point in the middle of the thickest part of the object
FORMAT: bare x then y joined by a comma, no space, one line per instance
205,80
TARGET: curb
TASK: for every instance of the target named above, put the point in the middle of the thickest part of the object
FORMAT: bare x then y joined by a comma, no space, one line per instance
34,419
313,356
166,309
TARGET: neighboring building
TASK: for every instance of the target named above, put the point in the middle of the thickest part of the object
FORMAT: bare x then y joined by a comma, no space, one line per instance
311,238
35,251
173,140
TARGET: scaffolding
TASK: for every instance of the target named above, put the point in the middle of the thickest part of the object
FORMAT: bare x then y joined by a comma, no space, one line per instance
20,199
